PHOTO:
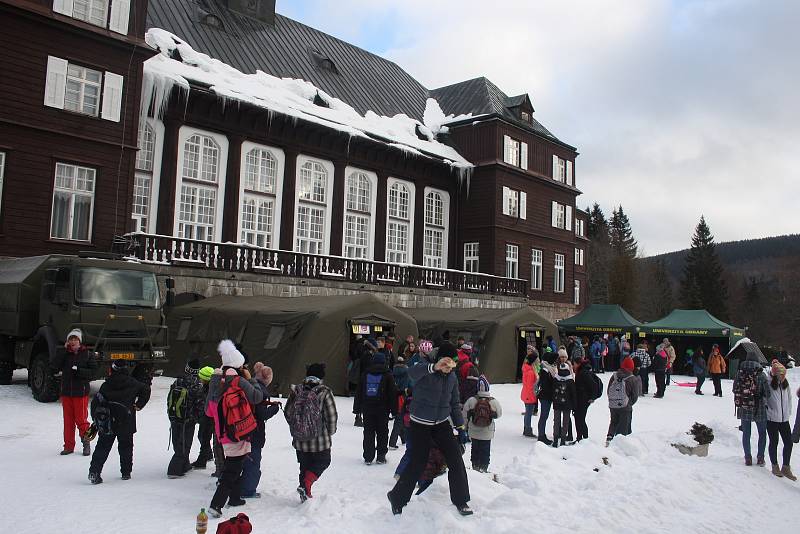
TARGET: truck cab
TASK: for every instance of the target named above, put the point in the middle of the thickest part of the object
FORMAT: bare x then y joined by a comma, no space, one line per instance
117,305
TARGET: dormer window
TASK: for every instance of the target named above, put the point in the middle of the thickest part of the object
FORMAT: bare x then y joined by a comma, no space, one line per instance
525,116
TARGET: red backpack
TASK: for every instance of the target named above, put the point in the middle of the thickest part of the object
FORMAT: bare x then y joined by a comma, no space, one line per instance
236,417
235,525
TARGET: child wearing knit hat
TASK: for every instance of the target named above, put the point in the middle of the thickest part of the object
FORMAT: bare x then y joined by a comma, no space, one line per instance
480,412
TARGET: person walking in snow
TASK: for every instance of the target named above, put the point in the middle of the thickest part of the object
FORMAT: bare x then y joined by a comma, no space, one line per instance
563,397
376,401
185,401
750,391
645,361
584,396
717,368
264,411
312,417
699,369
480,412
667,347
401,382
77,367
658,366
528,393
545,396
235,380
205,426
434,411
118,400
623,392
595,351
779,412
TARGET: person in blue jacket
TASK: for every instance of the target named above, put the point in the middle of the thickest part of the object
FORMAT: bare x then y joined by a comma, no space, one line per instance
595,351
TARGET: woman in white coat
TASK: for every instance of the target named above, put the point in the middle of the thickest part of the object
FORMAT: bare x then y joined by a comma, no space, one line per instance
779,412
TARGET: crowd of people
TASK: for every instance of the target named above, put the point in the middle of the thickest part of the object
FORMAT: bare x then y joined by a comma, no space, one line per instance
431,396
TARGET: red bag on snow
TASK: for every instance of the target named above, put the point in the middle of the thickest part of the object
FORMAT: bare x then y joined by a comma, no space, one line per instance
235,525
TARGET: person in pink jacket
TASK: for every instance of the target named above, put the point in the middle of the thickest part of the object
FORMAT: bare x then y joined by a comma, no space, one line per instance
528,394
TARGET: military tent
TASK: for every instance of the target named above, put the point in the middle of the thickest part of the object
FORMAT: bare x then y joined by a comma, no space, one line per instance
498,334
284,333
601,319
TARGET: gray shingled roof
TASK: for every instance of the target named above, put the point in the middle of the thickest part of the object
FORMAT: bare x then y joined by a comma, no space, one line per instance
480,96
290,49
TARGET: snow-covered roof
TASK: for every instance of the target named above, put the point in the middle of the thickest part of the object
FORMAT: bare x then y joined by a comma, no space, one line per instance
178,65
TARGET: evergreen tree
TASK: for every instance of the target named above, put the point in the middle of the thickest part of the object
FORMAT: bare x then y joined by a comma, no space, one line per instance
622,274
703,284
599,256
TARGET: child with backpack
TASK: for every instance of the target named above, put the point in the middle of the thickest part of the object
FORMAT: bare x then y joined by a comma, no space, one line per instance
563,400
265,410
749,397
623,392
232,393
311,414
184,403
480,412
376,401
114,410
205,425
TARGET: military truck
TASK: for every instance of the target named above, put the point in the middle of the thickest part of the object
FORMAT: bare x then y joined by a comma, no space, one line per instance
117,304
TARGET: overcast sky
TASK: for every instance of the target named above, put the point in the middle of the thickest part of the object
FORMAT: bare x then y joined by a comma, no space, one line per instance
677,108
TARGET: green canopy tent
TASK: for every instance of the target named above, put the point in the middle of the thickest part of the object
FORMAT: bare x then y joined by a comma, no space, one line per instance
598,319
284,333
692,328
498,334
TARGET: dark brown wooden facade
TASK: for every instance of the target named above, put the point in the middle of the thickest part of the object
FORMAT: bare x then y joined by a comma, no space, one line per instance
35,137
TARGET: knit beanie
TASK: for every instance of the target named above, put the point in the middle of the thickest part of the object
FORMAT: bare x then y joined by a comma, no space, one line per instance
425,346
447,350
466,347
192,367
231,357
76,332
205,373
778,368
627,364
316,369
562,352
262,373
483,385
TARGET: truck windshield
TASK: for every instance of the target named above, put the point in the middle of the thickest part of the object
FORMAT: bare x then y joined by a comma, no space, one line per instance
116,288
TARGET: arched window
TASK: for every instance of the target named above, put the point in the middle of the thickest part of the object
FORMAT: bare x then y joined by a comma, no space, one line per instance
399,226
260,194
312,226
313,182
260,171
143,178
201,175
358,221
201,159
437,203
147,140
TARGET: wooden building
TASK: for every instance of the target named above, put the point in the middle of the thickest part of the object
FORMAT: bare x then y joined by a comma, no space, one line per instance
327,182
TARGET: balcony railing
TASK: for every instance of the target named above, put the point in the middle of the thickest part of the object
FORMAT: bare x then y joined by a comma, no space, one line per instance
241,258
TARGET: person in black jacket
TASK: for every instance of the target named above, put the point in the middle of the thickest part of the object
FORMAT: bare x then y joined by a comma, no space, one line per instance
205,427
368,348
77,367
125,396
584,396
263,411
376,401
184,406
545,396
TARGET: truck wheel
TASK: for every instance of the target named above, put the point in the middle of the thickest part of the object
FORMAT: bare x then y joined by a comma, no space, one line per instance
44,385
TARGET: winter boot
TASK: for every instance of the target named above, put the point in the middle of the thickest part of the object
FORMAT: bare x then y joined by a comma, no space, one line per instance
760,462
302,492
544,440
308,481
748,460
787,472
126,476
776,471
528,433
199,464
236,502
358,421
464,509
214,512
396,510
94,478
66,452
87,448
380,460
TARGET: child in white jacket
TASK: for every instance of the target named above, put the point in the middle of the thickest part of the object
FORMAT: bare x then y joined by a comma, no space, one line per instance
480,412
779,413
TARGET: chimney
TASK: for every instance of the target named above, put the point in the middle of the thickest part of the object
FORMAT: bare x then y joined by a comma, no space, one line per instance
263,10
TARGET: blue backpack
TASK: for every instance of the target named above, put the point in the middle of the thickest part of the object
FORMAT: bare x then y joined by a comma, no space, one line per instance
372,386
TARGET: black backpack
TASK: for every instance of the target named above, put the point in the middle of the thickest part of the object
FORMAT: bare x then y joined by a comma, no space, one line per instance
108,415
597,387
182,402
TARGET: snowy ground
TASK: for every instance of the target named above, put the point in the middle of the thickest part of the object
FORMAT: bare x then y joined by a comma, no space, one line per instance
647,485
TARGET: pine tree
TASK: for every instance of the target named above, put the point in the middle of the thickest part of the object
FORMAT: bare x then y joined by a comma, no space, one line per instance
599,256
703,284
621,235
622,275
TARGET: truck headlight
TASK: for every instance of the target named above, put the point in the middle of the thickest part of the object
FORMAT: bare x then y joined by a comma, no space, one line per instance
158,354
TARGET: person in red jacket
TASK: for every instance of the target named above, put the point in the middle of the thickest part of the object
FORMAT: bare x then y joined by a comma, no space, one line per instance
528,394
77,367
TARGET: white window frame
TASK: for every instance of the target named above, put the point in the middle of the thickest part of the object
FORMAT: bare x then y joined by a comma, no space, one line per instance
144,165
326,204
511,150
258,196
512,261
102,22
433,228
559,270
393,256
355,215
73,192
82,84
184,134
537,268
116,14
153,174
559,215
472,259
579,257
577,294
579,227
511,202
559,169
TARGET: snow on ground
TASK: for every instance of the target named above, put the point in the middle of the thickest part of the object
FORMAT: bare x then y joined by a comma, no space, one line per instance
647,486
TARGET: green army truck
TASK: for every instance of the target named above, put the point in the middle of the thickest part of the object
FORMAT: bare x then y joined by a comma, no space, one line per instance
117,304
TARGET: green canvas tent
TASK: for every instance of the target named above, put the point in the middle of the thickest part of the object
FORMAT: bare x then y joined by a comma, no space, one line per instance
693,323
601,319
498,335
284,333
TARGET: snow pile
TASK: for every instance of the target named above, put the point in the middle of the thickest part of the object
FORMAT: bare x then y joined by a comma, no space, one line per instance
639,483
178,64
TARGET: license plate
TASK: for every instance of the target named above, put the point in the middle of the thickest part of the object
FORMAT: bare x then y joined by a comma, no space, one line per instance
122,356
